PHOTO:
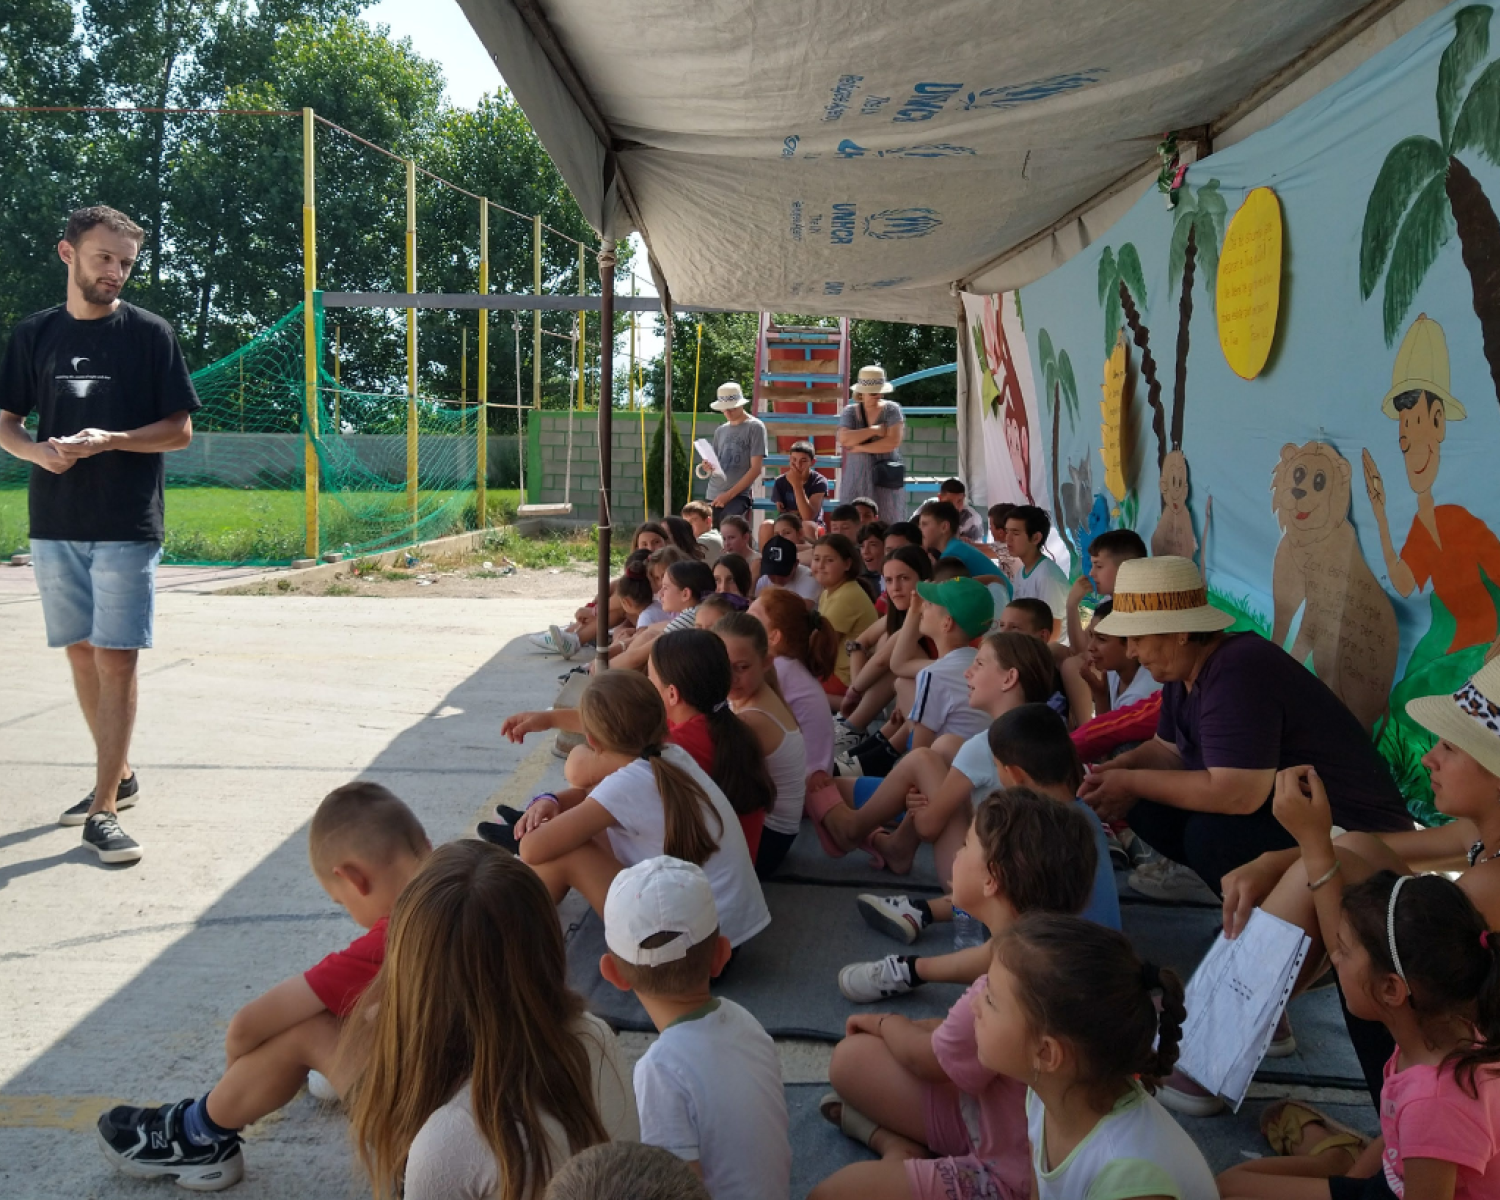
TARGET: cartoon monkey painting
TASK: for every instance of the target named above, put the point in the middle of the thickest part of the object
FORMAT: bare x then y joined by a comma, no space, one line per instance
1348,624
1174,532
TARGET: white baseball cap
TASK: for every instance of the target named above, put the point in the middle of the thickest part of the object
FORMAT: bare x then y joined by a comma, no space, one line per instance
658,895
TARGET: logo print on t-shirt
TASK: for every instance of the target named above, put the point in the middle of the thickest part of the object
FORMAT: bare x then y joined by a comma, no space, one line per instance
80,383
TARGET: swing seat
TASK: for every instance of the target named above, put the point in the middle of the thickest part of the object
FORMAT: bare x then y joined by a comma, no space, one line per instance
544,510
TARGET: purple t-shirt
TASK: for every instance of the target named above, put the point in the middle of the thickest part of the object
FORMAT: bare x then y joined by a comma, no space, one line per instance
1255,707
805,696
786,499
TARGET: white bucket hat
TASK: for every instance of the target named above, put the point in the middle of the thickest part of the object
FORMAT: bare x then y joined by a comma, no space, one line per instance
1162,595
731,395
655,896
1469,718
872,379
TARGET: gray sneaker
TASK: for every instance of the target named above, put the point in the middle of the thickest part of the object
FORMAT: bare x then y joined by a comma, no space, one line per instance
128,794
102,834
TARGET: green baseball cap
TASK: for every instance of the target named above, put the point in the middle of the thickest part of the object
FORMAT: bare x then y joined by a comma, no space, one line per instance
967,601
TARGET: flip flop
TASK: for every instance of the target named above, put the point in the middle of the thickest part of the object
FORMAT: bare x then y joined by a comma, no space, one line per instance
1282,1124
851,1122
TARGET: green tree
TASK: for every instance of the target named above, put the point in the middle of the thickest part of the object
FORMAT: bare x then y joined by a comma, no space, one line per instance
1122,291
905,349
1197,229
728,354
1425,192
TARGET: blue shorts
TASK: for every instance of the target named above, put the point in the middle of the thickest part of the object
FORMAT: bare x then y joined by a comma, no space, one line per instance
103,593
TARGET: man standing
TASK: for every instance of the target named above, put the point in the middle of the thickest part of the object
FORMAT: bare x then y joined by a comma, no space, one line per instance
740,445
111,394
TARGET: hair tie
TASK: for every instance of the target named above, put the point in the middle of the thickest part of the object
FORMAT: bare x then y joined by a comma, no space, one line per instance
720,706
1484,938
1151,977
651,751
1390,926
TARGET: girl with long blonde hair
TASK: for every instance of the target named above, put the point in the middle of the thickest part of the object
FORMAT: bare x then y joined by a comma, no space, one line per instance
484,1072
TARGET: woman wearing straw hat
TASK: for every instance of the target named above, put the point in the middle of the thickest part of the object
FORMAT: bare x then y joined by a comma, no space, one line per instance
1464,768
1236,709
740,447
870,433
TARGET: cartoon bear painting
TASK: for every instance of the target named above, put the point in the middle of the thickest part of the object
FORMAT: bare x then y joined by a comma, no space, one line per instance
1348,624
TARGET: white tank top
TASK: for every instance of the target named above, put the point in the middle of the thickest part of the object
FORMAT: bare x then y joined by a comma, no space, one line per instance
787,765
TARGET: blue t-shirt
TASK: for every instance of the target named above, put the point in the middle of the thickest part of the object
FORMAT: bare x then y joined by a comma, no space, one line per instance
975,761
977,563
781,491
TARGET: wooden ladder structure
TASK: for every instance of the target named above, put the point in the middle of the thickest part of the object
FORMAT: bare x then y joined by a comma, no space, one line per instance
801,386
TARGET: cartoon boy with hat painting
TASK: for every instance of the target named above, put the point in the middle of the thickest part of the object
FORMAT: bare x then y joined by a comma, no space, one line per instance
1446,544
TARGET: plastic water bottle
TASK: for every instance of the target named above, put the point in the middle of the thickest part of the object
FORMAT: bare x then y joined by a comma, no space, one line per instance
968,931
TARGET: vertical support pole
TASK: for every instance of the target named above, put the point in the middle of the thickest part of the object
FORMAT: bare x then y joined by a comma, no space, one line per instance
309,337
536,313
482,410
583,338
242,393
338,358
463,377
411,346
606,430
666,413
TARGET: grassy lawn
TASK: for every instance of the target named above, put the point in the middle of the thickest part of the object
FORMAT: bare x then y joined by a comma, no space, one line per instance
226,525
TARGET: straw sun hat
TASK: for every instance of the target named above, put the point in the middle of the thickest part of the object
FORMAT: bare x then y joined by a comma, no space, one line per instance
1469,718
1162,595
730,395
872,379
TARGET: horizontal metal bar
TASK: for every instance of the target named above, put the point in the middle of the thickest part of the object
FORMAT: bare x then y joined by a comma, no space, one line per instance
830,379
523,302
945,369
797,419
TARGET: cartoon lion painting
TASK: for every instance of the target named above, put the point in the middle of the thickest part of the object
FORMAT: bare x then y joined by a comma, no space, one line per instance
1348,624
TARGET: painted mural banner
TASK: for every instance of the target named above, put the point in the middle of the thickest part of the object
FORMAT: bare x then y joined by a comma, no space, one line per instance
1374,406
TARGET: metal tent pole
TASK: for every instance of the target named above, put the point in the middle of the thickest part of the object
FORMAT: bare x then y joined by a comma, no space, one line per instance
606,412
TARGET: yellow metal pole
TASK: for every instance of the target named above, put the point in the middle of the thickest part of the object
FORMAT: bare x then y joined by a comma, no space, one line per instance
411,345
463,377
536,313
309,337
482,413
645,489
242,393
693,430
583,337
337,363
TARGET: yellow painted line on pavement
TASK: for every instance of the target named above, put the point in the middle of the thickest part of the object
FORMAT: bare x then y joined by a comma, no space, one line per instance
516,790
76,1113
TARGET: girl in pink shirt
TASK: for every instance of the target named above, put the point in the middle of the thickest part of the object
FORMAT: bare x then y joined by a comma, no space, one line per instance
1413,953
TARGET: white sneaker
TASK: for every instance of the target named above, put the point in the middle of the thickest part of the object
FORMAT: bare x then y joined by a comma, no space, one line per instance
542,641
1183,1095
894,916
845,736
1172,882
319,1088
846,766
563,641
867,982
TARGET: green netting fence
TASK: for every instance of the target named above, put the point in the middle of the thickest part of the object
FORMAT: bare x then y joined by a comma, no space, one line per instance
238,493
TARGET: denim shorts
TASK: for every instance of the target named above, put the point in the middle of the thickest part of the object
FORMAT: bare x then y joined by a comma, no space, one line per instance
102,593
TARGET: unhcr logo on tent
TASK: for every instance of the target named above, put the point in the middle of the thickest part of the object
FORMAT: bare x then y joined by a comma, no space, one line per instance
896,224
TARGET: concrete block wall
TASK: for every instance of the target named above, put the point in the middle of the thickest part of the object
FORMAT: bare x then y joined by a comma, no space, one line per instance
930,449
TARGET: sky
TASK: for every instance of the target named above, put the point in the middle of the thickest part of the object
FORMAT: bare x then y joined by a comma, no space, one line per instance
439,31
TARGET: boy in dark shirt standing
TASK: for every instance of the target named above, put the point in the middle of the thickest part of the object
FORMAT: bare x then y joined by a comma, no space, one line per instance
111,395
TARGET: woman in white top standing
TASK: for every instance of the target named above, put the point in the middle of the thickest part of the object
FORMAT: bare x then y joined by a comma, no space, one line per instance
485,1072
754,697
652,799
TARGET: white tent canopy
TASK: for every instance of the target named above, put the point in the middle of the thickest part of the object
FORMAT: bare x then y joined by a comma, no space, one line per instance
871,158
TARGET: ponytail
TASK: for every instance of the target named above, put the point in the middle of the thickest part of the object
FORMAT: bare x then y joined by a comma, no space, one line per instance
1083,983
805,635
622,712
695,662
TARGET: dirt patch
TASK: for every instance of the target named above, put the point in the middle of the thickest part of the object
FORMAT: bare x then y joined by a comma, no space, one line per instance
479,576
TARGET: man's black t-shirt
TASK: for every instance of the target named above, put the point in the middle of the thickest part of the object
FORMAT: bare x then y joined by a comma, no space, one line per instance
118,373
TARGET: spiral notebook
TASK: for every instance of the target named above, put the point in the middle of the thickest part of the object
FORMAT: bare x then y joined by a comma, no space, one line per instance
1234,1000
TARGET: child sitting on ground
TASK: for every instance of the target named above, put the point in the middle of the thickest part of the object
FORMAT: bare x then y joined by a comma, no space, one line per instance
737,540
1069,1009
865,509
1026,746
700,515
845,521
365,845
779,568
732,575
871,545
485,1072
844,604
795,530
709,1088
685,583
713,609
652,799
626,1171
1126,700
872,683
909,1090
953,615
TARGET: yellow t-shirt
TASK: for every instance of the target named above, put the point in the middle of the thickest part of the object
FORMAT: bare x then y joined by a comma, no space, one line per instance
848,609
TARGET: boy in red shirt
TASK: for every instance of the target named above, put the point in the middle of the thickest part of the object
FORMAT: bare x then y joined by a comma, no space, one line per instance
365,846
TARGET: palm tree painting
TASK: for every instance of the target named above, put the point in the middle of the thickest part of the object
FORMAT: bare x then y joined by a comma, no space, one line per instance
1061,388
1197,230
1425,192
1122,292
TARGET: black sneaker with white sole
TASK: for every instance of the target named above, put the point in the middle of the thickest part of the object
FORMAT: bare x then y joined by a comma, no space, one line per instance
102,834
150,1143
129,792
